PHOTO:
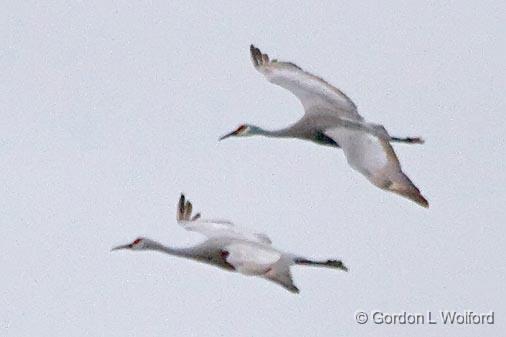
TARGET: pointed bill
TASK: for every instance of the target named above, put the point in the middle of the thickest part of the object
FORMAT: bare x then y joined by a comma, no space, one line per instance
233,133
121,247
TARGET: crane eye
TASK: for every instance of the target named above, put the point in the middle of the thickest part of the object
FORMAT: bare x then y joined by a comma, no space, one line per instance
240,128
136,241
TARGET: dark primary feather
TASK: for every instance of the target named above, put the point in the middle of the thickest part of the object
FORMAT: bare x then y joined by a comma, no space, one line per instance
185,209
263,59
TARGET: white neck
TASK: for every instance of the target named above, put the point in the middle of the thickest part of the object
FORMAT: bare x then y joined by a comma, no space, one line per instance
182,252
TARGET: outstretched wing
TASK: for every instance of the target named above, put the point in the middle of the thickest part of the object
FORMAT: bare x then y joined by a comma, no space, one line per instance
280,274
251,259
214,228
314,93
375,158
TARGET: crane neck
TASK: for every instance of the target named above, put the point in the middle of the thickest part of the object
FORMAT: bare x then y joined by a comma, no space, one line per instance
280,133
182,252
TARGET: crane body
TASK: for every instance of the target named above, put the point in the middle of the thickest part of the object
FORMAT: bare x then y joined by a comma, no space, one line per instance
233,249
331,118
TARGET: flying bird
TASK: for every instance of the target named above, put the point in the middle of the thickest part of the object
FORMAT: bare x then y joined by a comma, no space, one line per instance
332,119
233,248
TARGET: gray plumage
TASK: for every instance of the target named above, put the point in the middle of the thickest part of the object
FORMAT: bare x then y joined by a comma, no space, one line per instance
332,119
232,248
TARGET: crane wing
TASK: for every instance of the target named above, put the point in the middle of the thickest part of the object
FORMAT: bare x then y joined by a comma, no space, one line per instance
214,228
375,158
313,92
280,274
251,259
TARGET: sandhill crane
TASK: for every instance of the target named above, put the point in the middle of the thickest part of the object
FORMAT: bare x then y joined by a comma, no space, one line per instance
233,248
331,118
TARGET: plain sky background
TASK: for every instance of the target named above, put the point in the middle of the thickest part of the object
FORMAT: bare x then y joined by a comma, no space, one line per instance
110,109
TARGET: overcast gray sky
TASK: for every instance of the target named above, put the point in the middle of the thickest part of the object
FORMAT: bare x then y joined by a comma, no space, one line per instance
110,109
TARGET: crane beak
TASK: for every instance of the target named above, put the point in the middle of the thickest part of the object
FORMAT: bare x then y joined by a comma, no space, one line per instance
121,247
233,133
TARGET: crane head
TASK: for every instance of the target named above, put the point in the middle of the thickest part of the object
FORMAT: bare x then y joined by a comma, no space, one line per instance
242,130
138,243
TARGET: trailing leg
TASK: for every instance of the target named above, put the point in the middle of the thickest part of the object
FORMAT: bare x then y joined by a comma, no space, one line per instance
338,264
409,140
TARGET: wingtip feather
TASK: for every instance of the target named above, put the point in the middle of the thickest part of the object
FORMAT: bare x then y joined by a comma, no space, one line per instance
413,195
420,199
294,290
257,57
180,207
417,197
185,210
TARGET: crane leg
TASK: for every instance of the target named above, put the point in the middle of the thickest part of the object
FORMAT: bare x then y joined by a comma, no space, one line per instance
409,140
329,263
